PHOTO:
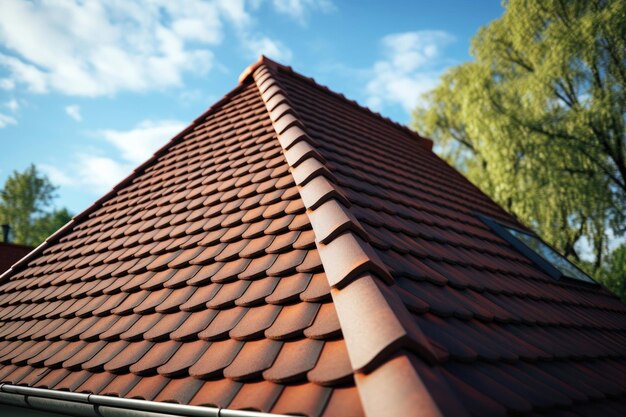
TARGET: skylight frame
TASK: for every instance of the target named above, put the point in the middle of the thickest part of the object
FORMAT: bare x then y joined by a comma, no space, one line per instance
505,231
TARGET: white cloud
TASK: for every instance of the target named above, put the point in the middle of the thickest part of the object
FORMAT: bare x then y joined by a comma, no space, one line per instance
6,120
411,66
262,45
57,176
139,143
299,9
74,112
12,105
101,47
96,171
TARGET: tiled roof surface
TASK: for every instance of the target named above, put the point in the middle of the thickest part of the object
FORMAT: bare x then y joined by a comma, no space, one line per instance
10,253
198,283
205,279
504,338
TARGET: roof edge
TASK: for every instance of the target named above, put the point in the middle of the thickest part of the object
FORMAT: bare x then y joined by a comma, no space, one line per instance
353,268
91,404
66,228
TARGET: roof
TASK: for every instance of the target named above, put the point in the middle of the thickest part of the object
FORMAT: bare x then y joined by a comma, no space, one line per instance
10,253
292,252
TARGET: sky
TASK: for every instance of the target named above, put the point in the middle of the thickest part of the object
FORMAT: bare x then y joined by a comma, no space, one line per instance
90,89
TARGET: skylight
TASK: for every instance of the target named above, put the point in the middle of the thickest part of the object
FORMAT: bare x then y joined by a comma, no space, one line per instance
542,255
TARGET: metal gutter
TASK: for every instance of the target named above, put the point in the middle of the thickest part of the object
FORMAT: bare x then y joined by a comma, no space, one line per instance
91,405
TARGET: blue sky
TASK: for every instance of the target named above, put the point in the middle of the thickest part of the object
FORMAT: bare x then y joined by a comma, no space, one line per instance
88,90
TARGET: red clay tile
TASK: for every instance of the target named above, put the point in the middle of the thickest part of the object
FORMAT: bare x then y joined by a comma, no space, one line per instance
282,242
258,267
179,391
128,356
96,382
294,361
195,323
326,324
186,356
292,321
200,297
140,327
120,326
317,290
217,357
289,288
333,366
216,393
223,323
256,247
257,396
154,299
254,323
156,356
87,351
253,359
344,402
166,325
148,388
308,399
108,352
181,276
72,381
99,328
120,385
227,295
174,300
257,291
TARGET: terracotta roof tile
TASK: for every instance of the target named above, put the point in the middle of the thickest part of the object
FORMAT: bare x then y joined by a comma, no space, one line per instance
147,388
253,359
292,321
254,323
179,391
294,361
157,355
216,393
186,356
217,357
258,396
215,260
309,399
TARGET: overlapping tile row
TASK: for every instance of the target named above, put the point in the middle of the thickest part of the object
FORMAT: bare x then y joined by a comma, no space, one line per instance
507,338
199,283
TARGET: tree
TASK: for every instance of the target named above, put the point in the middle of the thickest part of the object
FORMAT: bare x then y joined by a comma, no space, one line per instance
537,119
25,202
614,271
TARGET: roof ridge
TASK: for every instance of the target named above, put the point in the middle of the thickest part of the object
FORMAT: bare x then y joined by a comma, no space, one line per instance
359,279
69,226
263,60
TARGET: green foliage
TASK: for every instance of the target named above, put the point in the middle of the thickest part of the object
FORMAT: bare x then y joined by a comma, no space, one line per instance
614,270
537,119
25,201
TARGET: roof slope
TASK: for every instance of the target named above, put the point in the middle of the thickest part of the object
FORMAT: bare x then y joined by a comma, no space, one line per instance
205,278
198,282
504,337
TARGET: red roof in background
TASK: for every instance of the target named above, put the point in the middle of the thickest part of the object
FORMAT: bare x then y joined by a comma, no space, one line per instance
10,253
205,278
